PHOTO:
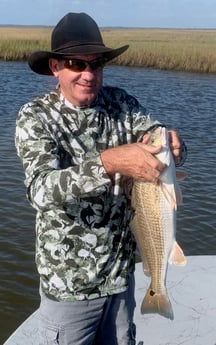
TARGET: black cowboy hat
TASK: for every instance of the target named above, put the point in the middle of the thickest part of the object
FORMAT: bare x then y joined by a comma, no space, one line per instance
75,34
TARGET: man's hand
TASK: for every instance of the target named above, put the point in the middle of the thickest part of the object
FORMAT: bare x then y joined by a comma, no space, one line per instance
134,160
175,146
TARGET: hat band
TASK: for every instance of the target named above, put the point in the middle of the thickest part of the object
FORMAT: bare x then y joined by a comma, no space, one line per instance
78,44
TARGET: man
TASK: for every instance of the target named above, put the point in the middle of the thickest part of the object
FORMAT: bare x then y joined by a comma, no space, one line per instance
81,146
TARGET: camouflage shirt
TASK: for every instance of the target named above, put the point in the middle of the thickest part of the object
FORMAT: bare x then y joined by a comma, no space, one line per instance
84,247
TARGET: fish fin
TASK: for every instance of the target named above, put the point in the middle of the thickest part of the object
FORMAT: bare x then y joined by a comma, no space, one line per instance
157,303
146,269
170,196
177,256
173,196
141,258
181,175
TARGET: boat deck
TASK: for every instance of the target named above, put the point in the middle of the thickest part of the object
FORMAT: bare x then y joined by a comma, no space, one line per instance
192,294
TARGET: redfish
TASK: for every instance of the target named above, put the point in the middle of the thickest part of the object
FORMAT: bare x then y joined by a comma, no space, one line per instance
154,227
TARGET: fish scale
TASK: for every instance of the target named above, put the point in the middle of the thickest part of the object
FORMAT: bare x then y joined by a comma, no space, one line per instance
155,246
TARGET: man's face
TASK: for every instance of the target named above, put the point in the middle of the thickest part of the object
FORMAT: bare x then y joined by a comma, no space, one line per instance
79,88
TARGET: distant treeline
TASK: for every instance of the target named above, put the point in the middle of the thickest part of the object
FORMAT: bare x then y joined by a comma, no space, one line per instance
168,49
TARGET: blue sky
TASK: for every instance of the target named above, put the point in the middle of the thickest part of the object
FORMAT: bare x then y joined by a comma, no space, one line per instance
126,13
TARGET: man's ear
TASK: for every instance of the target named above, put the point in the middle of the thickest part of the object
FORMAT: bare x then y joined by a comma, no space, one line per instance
54,66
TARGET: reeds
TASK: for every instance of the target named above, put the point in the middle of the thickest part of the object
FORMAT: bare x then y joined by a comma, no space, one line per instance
169,49
17,43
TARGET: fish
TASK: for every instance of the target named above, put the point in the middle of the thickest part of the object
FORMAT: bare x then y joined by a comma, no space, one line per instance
154,227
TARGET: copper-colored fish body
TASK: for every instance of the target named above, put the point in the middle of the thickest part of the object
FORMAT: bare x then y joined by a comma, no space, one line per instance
154,226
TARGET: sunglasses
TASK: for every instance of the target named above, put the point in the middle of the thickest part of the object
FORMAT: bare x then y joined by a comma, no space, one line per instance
77,65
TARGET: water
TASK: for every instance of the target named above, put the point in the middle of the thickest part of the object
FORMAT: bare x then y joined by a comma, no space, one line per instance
184,101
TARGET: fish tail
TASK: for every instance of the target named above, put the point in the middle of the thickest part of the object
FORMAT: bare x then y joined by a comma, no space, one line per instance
157,303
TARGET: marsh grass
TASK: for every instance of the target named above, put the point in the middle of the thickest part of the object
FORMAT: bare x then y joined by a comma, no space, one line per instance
169,49
183,50
17,43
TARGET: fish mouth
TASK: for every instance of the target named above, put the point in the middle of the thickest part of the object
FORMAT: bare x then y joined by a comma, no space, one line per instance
152,128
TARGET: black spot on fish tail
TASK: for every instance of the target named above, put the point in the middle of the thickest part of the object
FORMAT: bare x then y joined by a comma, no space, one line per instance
156,303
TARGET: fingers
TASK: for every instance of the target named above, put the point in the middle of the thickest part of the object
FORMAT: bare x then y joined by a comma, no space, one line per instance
150,151
175,145
174,140
146,139
147,167
148,147
135,160
148,175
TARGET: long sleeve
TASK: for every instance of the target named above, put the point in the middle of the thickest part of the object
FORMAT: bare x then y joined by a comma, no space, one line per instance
52,179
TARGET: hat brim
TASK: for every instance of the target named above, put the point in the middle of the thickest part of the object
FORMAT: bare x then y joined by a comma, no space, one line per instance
39,61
